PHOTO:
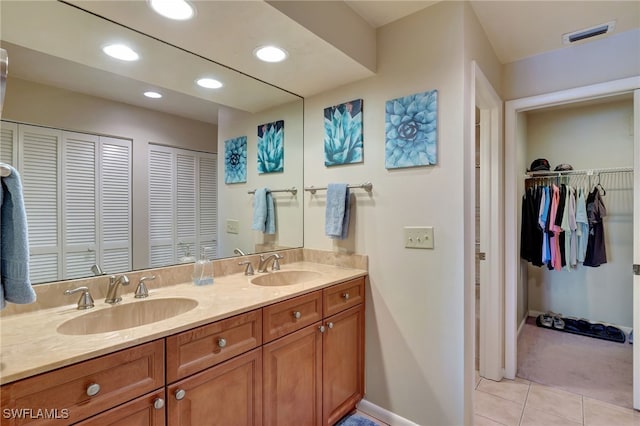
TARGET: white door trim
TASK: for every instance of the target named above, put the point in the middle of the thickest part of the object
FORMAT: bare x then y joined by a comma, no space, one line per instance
512,175
636,247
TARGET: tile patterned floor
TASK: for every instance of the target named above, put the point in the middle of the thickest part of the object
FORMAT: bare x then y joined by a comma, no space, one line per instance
523,403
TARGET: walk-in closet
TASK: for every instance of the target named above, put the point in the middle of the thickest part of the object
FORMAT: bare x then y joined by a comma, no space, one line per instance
570,307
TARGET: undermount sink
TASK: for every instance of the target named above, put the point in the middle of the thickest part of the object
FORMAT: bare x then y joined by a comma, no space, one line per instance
281,278
120,317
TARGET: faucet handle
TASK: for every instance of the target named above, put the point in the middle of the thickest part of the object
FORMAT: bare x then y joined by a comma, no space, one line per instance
142,290
85,301
249,269
276,263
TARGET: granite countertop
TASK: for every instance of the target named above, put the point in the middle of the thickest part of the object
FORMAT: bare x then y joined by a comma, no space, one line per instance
30,343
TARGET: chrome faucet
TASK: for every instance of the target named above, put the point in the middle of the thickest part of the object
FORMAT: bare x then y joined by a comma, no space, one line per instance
264,262
114,284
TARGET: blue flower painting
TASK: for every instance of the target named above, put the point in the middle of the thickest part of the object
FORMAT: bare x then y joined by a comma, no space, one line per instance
343,133
271,147
235,160
412,130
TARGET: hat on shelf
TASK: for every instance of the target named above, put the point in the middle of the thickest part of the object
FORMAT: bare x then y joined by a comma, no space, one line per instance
563,167
539,165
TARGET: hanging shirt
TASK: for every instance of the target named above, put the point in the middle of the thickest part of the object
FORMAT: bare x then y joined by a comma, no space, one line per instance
596,252
573,227
582,222
560,214
545,203
554,240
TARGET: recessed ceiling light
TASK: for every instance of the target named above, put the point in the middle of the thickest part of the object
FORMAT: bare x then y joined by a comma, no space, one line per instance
209,83
120,51
153,95
270,54
173,9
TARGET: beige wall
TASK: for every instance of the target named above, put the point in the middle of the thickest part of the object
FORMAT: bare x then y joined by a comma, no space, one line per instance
38,104
233,200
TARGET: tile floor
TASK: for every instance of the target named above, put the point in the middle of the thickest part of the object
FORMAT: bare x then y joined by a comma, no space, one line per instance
523,403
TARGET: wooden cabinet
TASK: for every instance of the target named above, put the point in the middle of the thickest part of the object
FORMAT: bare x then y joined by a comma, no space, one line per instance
227,394
292,314
73,393
148,410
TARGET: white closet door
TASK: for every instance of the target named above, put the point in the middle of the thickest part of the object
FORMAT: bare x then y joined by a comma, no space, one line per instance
208,204
186,197
40,162
79,207
8,143
161,206
115,204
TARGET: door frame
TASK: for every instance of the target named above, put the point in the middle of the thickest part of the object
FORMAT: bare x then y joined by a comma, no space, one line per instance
513,173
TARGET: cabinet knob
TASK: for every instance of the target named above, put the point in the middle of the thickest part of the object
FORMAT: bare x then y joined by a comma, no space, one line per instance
330,324
297,314
222,342
180,394
321,328
345,296
158,403
93,389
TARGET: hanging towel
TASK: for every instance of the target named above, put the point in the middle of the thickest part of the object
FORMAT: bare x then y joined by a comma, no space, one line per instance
263,211
15,286
337,213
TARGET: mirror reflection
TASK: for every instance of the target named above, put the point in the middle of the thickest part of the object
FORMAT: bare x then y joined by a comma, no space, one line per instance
122,181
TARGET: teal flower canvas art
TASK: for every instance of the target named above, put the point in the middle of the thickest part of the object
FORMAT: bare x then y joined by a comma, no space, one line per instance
411,129
271,147
343,133
235,160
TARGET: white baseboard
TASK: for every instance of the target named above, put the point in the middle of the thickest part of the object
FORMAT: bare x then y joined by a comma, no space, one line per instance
535,314
382,414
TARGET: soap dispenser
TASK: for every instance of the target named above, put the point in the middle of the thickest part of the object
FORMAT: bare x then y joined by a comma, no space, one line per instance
203,269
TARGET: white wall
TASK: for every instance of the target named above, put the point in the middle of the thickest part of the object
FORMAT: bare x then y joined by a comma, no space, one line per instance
415,348
595,136
38,104
233,200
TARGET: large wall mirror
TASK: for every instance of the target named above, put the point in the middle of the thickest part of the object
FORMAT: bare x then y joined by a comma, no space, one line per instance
122,181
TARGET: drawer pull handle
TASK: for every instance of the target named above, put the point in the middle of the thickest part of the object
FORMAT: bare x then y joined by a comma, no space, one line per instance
222,342
93,389
180,394
330,324
158,403
321,328
297,314
345,296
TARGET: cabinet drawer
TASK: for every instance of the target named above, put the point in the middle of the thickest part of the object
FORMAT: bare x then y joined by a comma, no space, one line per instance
342,296
148,410
203,347
290,315
117,378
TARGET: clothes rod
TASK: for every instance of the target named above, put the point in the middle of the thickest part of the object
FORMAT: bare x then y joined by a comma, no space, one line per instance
367,186
586,172
5,171
293,190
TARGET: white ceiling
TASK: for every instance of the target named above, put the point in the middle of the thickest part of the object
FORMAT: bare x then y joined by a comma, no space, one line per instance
228,32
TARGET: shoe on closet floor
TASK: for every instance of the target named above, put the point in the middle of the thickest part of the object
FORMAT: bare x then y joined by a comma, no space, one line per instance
558,323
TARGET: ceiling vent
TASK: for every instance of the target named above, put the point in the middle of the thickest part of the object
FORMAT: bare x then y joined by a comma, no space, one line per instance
588,32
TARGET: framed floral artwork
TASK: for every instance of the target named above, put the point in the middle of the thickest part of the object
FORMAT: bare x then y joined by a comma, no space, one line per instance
271,147
343,133
411,129
235,160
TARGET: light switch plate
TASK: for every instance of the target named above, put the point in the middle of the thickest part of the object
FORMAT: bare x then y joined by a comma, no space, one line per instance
233,226
420,237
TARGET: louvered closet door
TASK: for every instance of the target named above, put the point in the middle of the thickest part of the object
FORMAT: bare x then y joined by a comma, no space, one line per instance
186,196
115,204
79,215
161,205
8,143
40,162
208,204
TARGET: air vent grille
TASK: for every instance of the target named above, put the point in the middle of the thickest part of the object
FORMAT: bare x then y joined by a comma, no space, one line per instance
583,34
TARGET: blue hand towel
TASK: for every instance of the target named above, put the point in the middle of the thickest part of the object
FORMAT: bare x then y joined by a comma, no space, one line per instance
15,285
337,213
263,212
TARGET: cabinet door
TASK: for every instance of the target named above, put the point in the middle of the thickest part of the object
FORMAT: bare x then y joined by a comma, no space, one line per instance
148,410
227,394
343,369
293,378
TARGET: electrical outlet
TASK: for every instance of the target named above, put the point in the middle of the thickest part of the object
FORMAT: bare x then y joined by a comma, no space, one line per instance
233,226
420,237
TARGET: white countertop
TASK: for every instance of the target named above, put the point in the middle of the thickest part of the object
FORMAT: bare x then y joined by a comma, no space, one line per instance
30,343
